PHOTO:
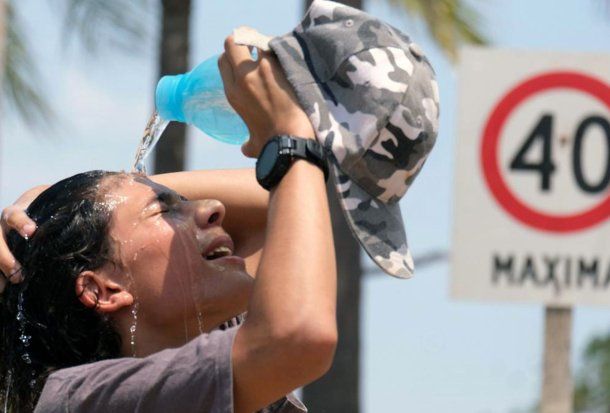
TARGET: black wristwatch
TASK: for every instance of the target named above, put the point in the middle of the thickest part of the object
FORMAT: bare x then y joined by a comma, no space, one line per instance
280,152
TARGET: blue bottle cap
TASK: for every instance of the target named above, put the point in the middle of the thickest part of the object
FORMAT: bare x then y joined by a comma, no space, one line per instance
168,98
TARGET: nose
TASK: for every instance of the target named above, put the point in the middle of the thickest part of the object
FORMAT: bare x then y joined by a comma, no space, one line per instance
209,213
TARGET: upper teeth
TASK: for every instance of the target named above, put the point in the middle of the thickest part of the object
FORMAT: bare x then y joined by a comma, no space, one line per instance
219,251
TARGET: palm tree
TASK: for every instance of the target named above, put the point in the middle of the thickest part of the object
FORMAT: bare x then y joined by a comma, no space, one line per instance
450,23
116,22
173,58
592,389
88,18
18,71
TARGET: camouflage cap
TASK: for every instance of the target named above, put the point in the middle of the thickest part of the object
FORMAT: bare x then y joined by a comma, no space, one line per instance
372,98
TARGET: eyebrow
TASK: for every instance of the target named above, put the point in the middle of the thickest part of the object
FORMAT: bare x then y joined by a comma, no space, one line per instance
165,197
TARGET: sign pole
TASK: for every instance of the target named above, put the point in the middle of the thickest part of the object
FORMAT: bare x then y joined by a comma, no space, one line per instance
531,208
557,389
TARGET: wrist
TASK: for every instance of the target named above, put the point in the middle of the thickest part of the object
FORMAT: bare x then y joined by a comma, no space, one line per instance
301,172
301,128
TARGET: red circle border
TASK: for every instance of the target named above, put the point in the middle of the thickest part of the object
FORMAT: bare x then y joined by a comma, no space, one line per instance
491,139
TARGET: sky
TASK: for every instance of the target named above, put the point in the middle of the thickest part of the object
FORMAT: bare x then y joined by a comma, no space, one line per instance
422,351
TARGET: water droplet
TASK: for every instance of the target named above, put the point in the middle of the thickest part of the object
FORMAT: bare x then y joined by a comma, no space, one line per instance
133,328
23,337
200,321
9,382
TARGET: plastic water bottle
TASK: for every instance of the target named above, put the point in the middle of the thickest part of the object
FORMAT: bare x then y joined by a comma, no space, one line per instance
198,98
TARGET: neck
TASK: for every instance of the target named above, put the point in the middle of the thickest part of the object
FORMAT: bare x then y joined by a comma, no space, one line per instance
150,338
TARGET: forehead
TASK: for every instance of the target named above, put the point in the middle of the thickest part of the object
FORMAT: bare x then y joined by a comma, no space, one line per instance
129,193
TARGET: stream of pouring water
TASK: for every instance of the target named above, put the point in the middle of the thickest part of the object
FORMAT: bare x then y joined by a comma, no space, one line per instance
153,131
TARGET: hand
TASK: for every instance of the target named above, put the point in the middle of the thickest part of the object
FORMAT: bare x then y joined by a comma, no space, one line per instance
14,217
260,93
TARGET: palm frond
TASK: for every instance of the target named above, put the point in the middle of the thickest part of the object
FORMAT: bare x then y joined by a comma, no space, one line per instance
20,85
592,390
116,23
450,22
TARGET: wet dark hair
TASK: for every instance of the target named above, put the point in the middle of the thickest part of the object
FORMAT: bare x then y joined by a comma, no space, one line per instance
43,324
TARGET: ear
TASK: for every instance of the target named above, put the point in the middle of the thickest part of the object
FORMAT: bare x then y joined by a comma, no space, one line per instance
97,291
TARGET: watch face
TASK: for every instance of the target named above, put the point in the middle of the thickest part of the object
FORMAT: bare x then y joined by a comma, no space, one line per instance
267,160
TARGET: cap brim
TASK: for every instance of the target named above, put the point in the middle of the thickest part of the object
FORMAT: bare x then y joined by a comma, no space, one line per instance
378,226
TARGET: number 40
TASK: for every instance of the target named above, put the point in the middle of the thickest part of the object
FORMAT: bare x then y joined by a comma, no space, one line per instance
543,131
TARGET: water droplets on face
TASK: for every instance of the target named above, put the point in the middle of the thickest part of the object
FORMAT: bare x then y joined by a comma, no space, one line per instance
152,133
120,244
110,201
190,291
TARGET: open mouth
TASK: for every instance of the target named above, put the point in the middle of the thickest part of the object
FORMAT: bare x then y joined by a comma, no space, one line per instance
221,247
218,252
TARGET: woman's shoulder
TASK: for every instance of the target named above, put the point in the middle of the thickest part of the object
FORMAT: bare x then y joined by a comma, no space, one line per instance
196,375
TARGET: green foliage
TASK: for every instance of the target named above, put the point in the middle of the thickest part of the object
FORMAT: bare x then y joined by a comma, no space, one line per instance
450,22
119,23
592,390
123,23
19,86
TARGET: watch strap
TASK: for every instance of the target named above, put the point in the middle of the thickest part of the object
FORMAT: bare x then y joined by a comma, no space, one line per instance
310,150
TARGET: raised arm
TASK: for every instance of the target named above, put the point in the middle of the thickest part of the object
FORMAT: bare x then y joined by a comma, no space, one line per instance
289,337
246,203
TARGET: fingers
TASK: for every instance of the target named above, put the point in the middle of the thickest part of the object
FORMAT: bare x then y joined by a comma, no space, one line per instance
11,269
237,55
228,79
14,217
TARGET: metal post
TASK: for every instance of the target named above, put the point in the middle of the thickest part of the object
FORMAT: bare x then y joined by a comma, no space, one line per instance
557,389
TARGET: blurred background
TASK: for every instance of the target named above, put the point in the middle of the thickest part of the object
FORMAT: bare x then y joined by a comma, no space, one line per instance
77,91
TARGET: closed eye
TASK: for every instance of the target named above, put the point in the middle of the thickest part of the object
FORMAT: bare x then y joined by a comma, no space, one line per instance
164,202
169,200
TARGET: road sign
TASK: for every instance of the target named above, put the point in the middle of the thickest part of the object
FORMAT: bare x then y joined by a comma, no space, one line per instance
532,202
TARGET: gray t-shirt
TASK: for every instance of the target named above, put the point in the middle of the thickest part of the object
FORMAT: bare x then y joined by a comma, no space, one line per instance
196,377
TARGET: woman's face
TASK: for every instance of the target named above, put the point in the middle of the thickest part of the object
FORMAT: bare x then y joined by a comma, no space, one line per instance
174,256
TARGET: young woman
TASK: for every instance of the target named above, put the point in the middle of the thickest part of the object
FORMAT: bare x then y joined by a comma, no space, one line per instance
122,266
